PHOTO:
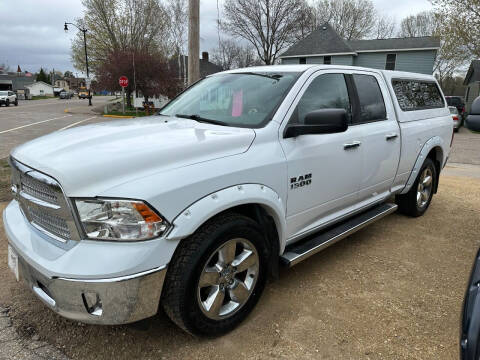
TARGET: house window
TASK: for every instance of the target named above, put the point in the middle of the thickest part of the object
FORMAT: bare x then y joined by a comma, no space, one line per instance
303,60
327,60
391,59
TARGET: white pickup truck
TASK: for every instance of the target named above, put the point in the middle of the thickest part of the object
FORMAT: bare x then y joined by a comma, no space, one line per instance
195,207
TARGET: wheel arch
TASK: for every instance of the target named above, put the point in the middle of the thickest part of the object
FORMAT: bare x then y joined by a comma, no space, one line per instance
432,149
256,201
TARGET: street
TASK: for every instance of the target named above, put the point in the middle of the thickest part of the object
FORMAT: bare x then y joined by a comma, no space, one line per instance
31,119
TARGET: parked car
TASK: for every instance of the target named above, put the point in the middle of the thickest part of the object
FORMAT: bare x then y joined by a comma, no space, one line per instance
470,326
193,209
7,98
458,102
456,118
65,95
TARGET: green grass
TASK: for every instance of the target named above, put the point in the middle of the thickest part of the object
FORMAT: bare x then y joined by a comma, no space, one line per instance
42,97
5,194
130,112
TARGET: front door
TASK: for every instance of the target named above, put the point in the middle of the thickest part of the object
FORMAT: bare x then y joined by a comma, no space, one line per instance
324,170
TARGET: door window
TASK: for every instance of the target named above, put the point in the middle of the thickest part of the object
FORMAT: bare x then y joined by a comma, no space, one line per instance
328,91
371,103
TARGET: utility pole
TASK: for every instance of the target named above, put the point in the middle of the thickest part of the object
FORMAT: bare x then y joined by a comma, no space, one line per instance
193,41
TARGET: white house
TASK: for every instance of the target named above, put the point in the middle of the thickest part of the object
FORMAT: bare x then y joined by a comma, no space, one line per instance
39,88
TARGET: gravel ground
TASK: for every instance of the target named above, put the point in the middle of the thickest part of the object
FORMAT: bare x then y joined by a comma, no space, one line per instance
391,291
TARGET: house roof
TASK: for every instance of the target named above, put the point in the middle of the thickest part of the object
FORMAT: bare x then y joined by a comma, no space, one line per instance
38,82
407,43
473,72
326,41
322,41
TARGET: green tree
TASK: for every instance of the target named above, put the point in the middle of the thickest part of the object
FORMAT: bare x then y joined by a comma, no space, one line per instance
68,74
42,76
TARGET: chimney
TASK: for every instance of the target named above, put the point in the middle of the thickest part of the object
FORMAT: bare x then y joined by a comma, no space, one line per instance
205,56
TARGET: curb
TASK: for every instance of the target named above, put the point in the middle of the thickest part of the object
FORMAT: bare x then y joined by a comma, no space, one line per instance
119,116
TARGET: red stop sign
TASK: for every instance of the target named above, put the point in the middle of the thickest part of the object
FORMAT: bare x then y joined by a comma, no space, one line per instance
123,81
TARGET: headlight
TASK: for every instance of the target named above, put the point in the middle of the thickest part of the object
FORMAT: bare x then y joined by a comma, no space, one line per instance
121,220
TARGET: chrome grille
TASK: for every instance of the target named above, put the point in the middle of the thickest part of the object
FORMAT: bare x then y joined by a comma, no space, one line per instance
38,189
54,225
43,203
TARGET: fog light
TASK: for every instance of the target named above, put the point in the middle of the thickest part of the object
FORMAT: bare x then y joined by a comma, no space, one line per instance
93,303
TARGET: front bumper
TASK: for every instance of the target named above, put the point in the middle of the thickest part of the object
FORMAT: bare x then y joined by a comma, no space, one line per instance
101,301
93,282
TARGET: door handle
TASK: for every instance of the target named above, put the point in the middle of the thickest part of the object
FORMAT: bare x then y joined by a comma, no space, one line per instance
353,144
391,136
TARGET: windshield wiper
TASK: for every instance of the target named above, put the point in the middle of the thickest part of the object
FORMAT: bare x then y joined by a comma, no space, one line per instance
273,77
202,119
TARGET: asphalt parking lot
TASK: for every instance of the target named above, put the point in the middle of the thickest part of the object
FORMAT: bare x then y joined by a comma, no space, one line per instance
391,291
33,118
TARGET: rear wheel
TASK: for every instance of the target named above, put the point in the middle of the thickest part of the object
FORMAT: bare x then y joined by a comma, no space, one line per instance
418,199
216,276
16,102
7,103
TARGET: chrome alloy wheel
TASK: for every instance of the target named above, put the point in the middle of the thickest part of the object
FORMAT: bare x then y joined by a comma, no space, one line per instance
424,188
228,279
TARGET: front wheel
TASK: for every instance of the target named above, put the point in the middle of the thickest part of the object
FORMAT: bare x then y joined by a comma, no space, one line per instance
418,199
16,102
7,103
216,276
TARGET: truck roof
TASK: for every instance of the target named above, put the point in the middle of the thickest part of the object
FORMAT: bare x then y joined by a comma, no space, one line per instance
304,67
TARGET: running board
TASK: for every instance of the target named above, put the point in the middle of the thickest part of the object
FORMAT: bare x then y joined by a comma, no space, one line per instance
313,244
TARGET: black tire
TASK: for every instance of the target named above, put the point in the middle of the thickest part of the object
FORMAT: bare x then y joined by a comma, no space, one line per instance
407,203
7,103
16,102
179,297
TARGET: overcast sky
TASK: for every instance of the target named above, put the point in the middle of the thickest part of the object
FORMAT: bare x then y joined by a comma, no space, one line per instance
31,31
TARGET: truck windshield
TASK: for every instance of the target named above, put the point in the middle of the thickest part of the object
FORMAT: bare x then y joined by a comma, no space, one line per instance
235,99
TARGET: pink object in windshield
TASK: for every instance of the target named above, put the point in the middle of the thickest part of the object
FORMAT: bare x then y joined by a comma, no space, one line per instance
237,106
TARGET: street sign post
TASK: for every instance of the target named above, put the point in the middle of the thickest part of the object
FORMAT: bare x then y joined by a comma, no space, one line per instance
123,81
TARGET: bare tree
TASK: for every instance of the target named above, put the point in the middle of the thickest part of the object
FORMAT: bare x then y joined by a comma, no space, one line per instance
422,24
307,21
177,11
385,27
248,57
269,25
232,55
119,25
351,19
226,54
460,23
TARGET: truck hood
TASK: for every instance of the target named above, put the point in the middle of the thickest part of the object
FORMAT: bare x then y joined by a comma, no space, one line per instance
88,160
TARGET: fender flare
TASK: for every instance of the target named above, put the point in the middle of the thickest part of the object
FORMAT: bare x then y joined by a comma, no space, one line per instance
427,147
196,214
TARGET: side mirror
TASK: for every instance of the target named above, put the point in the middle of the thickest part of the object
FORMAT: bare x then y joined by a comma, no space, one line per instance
473,119
324,121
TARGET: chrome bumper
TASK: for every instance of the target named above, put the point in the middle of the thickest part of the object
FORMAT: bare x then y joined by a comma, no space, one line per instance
100,301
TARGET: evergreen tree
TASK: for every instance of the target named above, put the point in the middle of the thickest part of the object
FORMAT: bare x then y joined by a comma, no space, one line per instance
42,76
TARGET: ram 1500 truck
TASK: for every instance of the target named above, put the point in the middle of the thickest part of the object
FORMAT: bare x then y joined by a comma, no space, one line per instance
192,209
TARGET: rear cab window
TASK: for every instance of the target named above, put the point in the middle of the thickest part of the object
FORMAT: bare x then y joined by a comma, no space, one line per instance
414,95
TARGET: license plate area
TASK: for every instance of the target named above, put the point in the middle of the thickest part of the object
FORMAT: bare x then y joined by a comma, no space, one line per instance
13,261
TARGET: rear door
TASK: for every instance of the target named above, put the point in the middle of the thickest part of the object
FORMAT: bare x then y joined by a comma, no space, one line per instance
381,141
